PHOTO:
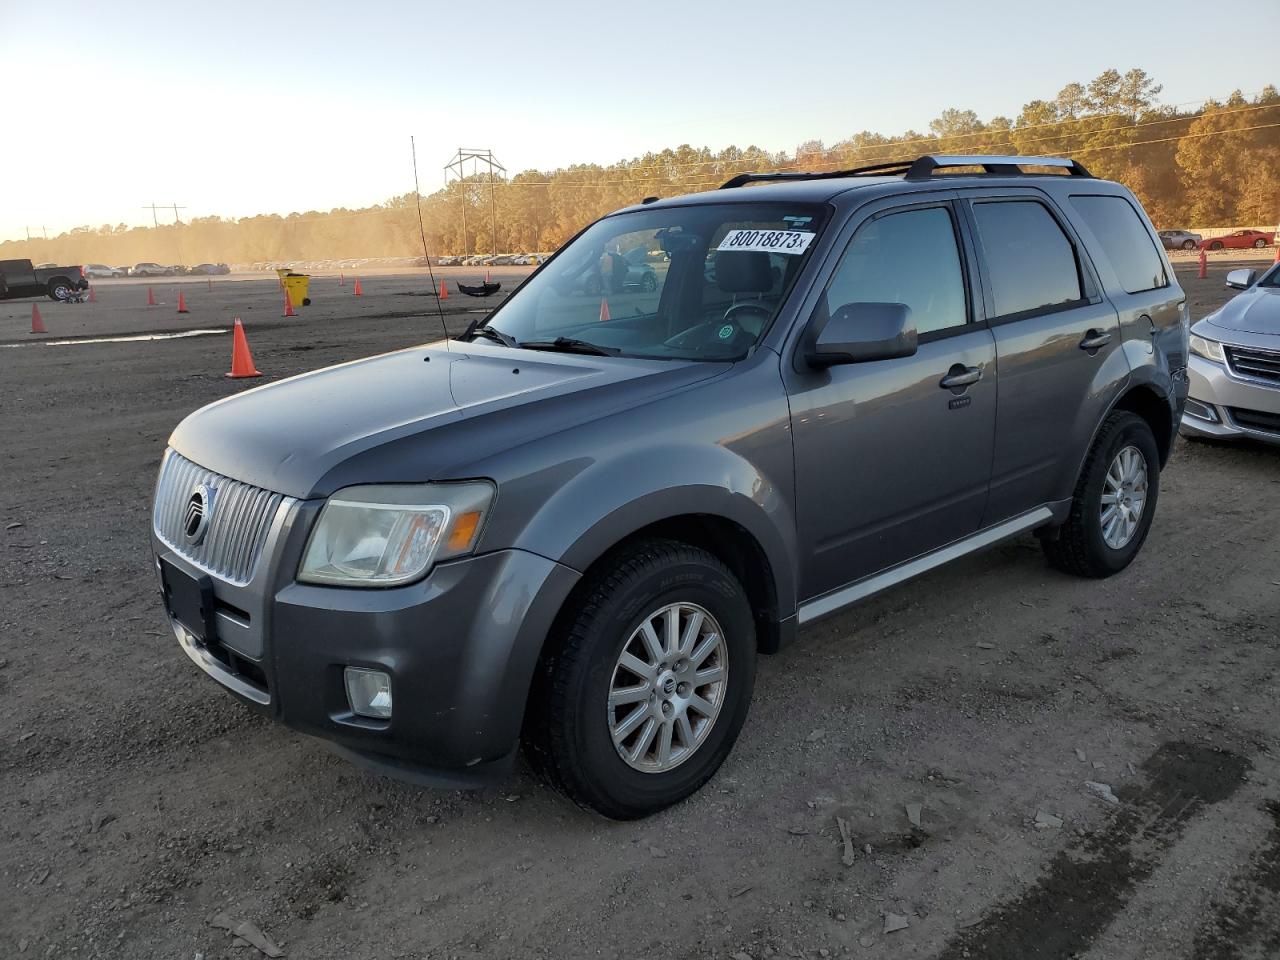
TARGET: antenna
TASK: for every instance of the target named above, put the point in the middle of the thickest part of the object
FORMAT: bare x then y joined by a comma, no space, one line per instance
422,232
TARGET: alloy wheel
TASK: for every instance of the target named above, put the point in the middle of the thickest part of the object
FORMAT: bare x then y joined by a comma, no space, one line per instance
667,688
1124,494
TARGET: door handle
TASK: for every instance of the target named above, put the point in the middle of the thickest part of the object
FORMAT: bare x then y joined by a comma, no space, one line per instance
960,376
1095,340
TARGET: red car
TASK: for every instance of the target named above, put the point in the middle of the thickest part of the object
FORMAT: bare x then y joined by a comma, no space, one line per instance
1240,240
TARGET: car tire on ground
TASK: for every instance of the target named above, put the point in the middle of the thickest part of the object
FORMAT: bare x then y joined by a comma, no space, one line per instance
1114,501
59,289
626,727
1188,244
1216,245
648,283
1259,243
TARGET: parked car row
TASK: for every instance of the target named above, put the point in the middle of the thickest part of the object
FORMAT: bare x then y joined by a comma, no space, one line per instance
499,260
1238,240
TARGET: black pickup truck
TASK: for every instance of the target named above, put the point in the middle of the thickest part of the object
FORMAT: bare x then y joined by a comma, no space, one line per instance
18,278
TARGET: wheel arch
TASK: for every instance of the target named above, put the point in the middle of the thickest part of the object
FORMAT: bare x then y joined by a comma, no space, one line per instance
1146,402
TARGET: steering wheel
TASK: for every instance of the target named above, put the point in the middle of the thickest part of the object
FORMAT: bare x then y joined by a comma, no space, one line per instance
737,308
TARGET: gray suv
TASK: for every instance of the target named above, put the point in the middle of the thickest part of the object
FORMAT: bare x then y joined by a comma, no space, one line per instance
577,528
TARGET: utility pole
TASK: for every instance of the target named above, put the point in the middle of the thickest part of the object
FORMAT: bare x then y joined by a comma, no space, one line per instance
496,169
153,208
176,208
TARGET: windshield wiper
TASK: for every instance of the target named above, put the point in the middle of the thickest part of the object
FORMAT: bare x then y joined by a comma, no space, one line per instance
571,345
493,333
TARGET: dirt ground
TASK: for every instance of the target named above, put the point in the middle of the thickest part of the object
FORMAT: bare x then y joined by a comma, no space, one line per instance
138,800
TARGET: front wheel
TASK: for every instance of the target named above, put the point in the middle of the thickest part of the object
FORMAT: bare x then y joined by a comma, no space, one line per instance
1114,502
648,682
1216,245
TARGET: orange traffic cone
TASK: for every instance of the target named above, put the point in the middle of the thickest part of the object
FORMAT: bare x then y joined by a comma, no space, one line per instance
486,276
37,322
342,279
241,359
1277,249
288,304
93,294
604,310
357,291
209,280
444,291
1204,265
182,303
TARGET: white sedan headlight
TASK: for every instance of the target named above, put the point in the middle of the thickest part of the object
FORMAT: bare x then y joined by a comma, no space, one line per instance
1209,349
388,535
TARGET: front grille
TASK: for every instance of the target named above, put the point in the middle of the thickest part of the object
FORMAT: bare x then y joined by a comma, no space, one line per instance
1255,364
239,520
1255,420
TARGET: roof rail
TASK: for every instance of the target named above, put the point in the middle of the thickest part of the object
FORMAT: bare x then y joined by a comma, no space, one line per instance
875,169
923,167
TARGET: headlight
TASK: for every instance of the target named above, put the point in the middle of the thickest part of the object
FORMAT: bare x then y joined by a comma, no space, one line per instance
1209,349
383,536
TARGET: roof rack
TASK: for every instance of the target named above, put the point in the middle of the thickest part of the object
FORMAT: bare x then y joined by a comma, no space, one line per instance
1006,166
922,168
875,169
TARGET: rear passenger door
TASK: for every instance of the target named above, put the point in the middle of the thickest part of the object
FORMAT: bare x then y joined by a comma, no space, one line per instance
1057,347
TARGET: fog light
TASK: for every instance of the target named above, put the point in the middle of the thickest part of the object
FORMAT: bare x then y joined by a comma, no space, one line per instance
369,692
1201,411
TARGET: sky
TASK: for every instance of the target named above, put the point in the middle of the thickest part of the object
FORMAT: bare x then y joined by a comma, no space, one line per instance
234,108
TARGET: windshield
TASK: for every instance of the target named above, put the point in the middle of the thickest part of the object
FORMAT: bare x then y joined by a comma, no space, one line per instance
697,282
1272,277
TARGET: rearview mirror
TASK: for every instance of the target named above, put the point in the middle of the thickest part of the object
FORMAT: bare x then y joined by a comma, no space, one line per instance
1241,279
859,332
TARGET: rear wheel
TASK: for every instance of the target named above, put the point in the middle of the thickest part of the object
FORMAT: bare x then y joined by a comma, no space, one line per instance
1259,243
645,689
59,289
1188,244
1114,502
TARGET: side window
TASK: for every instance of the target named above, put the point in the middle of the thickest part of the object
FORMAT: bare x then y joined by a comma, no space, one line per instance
1125,241
1030,260
909,257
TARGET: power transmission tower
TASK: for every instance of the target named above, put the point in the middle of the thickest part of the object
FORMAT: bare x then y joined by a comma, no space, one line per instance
457,167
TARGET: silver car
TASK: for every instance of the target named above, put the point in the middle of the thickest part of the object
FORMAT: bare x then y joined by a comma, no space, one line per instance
1179,239
1234,368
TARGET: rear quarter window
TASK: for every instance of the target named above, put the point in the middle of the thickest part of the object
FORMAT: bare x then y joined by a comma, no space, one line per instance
1124,240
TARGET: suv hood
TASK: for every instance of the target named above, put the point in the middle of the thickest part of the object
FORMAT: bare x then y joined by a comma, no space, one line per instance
1256,310
430,411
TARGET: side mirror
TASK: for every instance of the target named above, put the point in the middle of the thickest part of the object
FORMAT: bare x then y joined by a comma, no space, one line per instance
1241,279
859,332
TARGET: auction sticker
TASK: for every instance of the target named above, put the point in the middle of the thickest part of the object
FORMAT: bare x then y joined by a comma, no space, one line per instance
792,242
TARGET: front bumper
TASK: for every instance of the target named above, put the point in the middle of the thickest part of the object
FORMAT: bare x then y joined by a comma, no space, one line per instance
1227,407
461,648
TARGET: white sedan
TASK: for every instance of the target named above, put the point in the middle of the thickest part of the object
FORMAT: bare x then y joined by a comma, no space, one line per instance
100,271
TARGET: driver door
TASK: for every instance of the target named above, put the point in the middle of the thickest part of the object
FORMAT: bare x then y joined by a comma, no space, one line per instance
891,460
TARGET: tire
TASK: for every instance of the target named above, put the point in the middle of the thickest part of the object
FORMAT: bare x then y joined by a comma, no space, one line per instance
1259,244
306,301
1216,245
59,289
1188,244
648,283
570,727
1081,547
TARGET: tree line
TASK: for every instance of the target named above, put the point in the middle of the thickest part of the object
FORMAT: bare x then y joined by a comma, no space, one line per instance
1215,165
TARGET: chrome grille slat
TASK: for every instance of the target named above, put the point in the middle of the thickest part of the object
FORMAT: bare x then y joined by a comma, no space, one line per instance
239,523
1254,363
